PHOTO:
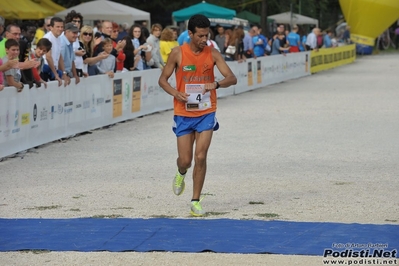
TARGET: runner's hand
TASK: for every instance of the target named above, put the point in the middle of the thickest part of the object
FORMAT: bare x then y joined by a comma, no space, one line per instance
181,96
209,87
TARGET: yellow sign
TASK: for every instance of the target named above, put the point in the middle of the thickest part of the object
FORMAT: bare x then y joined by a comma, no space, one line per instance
117,103
332,57
259,71
25,119
250,78
369,18
136,95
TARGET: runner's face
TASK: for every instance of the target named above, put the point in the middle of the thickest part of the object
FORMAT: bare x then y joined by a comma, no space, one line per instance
200,37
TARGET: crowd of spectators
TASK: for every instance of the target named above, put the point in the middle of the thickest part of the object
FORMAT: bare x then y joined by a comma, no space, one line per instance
56,49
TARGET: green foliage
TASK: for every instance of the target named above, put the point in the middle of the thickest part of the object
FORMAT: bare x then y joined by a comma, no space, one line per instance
326,11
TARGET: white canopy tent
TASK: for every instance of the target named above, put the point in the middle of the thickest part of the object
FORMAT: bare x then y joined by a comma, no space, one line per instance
108,10
296,19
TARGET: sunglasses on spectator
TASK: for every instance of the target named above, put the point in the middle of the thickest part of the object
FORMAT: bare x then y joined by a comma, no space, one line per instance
87,34
48,25
76,21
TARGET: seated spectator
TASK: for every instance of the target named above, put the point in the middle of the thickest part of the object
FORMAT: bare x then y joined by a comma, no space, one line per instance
89,61
277,48
12,76
167,43
107,65
42,47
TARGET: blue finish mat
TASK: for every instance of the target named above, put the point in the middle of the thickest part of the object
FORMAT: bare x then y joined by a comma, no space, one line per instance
188,235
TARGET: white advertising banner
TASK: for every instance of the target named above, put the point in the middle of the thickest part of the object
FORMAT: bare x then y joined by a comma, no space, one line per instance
37,116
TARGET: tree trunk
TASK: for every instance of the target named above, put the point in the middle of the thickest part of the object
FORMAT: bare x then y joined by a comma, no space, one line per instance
263,20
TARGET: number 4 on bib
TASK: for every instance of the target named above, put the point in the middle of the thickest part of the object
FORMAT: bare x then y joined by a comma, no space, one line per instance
197,101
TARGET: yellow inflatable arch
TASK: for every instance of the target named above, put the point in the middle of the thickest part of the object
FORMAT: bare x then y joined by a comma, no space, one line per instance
369,18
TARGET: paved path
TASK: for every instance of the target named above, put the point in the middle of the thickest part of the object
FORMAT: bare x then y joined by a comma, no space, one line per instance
320,148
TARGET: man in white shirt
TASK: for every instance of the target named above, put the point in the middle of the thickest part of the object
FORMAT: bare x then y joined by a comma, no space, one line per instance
53,68
311,40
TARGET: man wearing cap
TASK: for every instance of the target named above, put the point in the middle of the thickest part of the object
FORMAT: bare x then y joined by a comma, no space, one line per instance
67,53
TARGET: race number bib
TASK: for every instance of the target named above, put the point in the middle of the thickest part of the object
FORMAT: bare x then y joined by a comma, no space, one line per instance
197,101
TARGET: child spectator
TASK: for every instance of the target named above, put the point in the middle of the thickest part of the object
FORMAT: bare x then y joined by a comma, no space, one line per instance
107,65
4,67
42,47
12,77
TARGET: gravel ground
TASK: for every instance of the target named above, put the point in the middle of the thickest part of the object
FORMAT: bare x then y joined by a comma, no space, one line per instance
321,148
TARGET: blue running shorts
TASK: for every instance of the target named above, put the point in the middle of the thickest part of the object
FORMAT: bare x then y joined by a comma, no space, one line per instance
185,125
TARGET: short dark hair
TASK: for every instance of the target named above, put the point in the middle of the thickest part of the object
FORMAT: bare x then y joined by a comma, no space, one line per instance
55,19
44,43
11,42
198,21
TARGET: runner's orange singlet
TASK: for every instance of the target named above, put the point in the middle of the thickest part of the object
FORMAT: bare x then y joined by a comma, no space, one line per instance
194,71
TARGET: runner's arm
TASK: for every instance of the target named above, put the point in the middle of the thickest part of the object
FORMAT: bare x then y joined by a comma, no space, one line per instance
168,71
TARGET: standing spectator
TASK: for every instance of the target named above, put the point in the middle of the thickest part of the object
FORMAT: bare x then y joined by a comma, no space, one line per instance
259,41
2,25
4,67
42,47
167,43
239,32
228,34
40,31
397,38
175,32
67,53
311,40
14,32
107,29
277,47
248,44
53,68
220,38
210,42
89,62
123,31
280,31
28,31
128,50
294,40
12,76
78,49
47,25
107,65
327,39
183,38
347,35
302,34
153,40
120,54
141,49
97,26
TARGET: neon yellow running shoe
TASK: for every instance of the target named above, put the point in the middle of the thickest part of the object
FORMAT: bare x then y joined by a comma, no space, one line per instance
196,208
178,183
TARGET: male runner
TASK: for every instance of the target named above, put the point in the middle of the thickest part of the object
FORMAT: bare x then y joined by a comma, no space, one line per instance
194,103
